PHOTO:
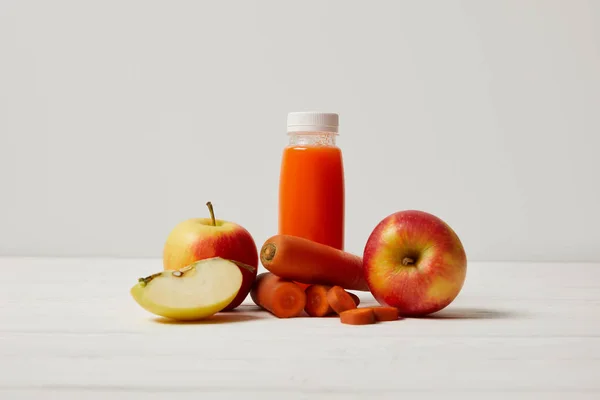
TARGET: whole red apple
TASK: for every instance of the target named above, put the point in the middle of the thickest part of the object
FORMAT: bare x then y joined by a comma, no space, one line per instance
200,238
415,262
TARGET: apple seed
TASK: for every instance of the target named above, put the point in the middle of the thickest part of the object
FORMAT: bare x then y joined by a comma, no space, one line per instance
186,269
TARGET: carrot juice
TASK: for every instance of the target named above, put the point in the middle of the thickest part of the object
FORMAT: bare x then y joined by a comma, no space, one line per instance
311,183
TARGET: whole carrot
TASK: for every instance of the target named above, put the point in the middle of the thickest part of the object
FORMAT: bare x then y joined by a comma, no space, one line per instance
280,297
302,260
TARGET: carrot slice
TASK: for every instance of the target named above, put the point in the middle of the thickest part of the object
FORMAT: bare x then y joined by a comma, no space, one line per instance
386,313
316,301
282,298
358,316
303,286
340,300
355,298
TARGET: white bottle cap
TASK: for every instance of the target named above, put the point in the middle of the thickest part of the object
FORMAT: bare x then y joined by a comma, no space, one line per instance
312,122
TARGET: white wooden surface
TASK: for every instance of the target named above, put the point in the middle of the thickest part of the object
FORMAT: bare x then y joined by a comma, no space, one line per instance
69,330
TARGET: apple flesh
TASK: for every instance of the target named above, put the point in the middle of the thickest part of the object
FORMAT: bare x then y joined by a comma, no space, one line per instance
195,292
201,238
415,262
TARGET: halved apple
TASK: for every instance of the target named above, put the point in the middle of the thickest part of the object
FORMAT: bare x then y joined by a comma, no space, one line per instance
195,292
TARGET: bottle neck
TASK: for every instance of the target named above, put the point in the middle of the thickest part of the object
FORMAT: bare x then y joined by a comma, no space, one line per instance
325,139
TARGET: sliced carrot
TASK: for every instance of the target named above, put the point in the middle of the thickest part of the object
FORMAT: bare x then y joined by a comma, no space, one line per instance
355,298
340,300
386,313
303,286
282,298
358,316
316,301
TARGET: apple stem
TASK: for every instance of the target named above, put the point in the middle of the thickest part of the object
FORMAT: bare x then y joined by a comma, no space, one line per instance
212,213
144,281
408,261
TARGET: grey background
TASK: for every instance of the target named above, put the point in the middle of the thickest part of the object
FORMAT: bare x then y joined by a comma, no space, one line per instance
119,119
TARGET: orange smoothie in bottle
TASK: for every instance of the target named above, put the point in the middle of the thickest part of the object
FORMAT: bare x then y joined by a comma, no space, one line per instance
311,183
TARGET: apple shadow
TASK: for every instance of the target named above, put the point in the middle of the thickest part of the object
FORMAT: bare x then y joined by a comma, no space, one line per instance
473,313
219,318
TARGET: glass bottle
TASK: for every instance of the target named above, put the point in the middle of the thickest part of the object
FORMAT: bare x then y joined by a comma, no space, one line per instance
311,182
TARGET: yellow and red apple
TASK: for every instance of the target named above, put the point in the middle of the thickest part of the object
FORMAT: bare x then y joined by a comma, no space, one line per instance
201,238
415,262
